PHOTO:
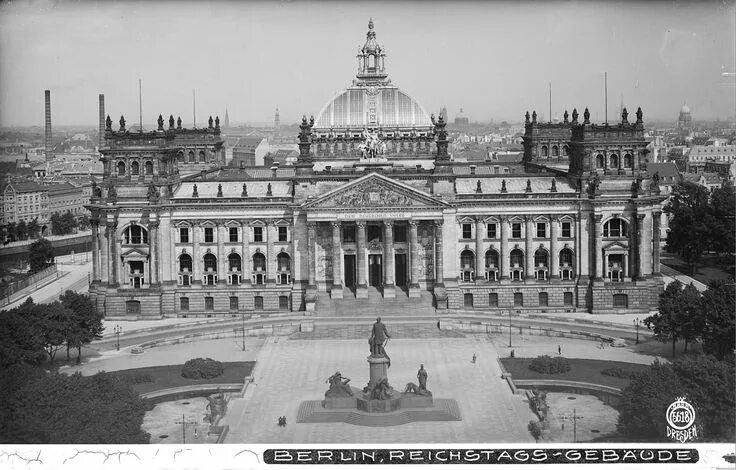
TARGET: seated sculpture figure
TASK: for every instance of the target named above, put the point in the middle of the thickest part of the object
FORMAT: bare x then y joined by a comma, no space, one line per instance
380,390
338,386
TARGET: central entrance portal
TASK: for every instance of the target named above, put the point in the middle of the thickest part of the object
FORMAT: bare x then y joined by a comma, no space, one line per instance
350,271
375,265
400,266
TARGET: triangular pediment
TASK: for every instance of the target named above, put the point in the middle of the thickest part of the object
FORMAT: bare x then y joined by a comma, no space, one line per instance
376,191
134,252
615,246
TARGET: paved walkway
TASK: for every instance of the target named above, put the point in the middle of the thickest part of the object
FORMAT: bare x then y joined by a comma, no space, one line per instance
290,371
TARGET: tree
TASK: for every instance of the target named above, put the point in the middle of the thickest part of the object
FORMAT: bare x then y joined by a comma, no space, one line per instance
20,336
723,208
74,409
69,222
679,315
719,309
84,222
56,224
33,228
688,231
705,382
21,230
12,231
40,255
54,320
86,321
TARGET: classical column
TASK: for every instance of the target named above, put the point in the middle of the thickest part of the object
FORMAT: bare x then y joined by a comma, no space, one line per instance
554,255
361,292
639,246
173,259
271,252
118,263
480,258
529,247
414,241
312,240
439,274
505,264
656,221
336,292
388,261
644,242
196,257
95,249
154,252
245,252
221,264
104,260
598,246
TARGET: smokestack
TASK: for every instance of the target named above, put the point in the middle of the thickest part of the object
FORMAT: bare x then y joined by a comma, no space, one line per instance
48,126
101,138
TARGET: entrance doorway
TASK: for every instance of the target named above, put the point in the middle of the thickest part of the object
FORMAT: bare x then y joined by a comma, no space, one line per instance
400,269
375,265
350,271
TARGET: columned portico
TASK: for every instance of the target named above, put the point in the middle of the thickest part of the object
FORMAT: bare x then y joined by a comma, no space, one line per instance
361,292
312,241
656,221
389,290
413,240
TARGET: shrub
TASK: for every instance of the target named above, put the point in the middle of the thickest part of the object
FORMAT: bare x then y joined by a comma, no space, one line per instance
136,378
549,365
202,368
535,429
618,372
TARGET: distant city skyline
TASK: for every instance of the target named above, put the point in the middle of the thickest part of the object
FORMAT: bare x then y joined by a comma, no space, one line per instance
495,60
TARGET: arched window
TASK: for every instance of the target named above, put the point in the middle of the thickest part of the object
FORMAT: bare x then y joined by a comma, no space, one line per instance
210,262
149,167
613,159
134,168
565,257
283,261
185,263
371,61
540,259
233,262
615,228
135,235
180,156
259,262
491,259
467,260
517,258
599,161
121,168
565,150
627,161
543,150
555,151
191,157
202,158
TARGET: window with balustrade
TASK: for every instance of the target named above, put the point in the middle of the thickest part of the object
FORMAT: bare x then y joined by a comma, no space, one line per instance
492,266
517,265
467,266
541,265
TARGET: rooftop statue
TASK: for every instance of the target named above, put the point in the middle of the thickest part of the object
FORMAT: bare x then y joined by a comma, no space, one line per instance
565,116
108,123
639,115
575,115
526,117
178,122
209,122
625,116
171,121
586,116
160,122
122,123
534,117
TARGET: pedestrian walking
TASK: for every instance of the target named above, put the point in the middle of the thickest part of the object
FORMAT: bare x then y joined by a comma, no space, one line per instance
559,350
438,325
473,358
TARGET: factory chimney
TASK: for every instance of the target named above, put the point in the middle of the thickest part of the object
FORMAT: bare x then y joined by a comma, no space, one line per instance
49,143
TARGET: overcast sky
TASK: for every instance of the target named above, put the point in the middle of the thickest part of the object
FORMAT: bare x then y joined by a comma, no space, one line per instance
494,59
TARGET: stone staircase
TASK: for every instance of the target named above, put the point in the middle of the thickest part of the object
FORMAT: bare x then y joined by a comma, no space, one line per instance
374,305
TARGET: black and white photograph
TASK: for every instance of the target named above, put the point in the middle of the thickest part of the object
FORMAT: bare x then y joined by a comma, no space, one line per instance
264,233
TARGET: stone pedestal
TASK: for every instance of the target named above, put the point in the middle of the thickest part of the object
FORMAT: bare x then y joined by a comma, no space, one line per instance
361,292
336,291
414,291
378,369
389,292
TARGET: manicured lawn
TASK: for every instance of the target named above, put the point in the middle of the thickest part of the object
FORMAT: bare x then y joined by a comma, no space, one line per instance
581,370
709,268
170,376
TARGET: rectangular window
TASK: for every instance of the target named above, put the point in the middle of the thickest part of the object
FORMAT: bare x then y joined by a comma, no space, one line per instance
621,300
184,235
184,304
257,234
233,234
492,231
467,231
258,302
516,230
543,299
541,230
567,299
493,299
566,230
209,235
209,303
399,233
348,234
283,234
233,304
518,299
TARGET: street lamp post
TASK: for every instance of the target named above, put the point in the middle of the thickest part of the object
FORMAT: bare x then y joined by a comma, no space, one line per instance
242,316
574,419
509,328
184,423
637,322
118,329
